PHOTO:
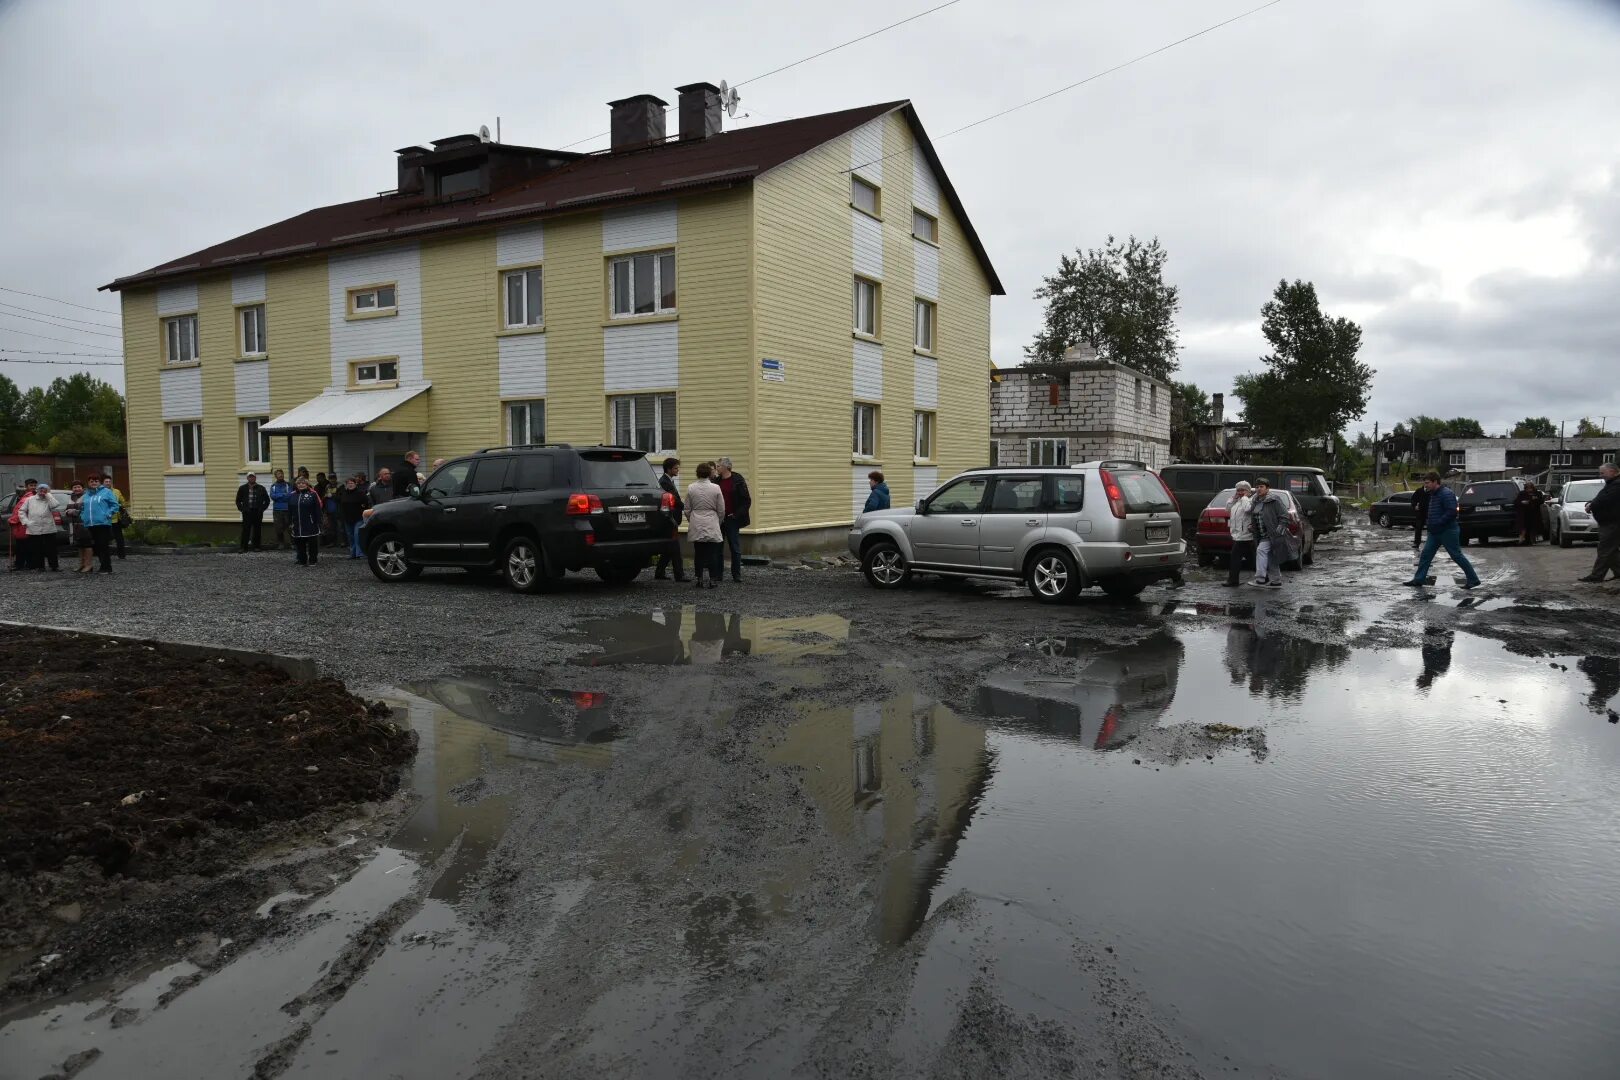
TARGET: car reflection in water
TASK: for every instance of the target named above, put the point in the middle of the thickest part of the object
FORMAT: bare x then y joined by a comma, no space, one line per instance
671,636
1113,695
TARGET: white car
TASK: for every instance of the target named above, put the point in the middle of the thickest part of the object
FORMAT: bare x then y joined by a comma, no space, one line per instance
1567,519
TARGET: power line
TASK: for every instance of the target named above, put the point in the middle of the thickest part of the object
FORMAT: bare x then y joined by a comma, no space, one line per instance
64,363
50,352
1089,78
796,63
54,300
63,319
47,337
59,326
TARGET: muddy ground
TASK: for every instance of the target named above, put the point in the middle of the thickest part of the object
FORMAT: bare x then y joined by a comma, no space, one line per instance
796,827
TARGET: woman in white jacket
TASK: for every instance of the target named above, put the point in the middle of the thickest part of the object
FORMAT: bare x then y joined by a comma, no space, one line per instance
39,518
705,508
1240,520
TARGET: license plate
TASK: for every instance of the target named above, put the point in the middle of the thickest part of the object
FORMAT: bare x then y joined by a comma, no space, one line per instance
1158,532
636,517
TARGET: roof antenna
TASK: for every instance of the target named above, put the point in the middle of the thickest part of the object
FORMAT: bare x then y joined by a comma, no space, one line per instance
497,129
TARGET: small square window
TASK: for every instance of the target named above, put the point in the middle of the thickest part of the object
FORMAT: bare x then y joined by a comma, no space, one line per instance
644,422
924,226
642,284
864,195
523,303
526,423
180,339
372,300
1049,452
374,372
185,445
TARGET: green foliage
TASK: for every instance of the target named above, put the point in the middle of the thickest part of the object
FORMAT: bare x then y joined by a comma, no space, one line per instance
1463,427
148,532
1189,407
1115,299
1535,427
1314,384
79,414
1586,429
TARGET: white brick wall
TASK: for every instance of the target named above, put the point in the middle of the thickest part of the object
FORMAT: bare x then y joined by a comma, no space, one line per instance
1096,412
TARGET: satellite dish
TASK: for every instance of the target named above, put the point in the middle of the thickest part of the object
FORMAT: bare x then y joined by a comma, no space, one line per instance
483,133
729,98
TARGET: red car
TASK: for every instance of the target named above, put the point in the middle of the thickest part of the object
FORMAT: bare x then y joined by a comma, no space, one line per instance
1215,535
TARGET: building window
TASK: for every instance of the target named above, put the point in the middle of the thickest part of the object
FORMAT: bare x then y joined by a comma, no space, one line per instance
253,341
644,422
1457,457
1053,452
1608,459
1563,459
180,339
866,307
373,300
924,332
1153,399
643,284
863,195
256,441
185,445
1138,395
864,442
922,442
461,182
375,372
526,423
924,226
523,305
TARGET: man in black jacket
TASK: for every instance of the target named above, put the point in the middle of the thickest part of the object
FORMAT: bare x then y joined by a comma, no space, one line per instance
672,554
252,500
738,504
405,475
1605,510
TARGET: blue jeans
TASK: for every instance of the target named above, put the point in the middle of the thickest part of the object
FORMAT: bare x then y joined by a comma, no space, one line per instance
353,529
1450,538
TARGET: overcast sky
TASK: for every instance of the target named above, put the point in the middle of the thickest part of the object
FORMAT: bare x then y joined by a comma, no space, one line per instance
1447,171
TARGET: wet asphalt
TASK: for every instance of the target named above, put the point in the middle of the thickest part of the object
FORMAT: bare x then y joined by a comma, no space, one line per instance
795,827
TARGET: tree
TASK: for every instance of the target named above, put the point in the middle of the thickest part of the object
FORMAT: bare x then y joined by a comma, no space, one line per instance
76,414
1314,385
1535,427
14,431
1189,407
1586,429
1464,428
1113,298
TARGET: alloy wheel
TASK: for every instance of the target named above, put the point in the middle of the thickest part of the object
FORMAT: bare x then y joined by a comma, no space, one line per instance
888,567
1050,576
391,558
521,566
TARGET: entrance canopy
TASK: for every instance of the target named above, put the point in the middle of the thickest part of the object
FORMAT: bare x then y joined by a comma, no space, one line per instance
403,408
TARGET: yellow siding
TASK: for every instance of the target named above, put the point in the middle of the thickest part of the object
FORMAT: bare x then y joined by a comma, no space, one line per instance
576,291
899,312
223,448
298,329
459,298
143,404
963,348
717,372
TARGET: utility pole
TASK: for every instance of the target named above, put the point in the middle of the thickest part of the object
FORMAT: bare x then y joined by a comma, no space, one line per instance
1377,456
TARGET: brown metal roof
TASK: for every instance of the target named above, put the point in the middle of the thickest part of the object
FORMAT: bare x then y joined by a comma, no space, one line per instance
593,181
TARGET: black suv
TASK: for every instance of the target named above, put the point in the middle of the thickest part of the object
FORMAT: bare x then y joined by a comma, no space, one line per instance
1485,510
530,512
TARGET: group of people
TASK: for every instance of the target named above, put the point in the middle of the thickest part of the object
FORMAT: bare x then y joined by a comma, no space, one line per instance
717,509
93,517
324,510
1258,520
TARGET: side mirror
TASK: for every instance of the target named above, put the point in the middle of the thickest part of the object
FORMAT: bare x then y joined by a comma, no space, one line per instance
922,506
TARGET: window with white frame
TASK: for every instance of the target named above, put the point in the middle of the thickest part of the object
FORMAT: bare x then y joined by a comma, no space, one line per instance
523,303
525,422
180,339
1608,459
642,284
923,336
645,422
866,307
253,341
863,443
1457,457
255,441
1561,459
864,194
375,372
924,226
185,445
373,300
922,435
1054,452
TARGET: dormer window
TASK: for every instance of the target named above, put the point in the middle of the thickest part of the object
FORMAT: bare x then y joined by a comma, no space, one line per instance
460,182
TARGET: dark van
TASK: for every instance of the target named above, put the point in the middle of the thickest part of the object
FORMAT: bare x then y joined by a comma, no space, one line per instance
1195,485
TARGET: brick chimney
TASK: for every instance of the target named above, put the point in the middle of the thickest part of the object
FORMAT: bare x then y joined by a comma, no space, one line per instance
637,121
1217,408
410,169
700,111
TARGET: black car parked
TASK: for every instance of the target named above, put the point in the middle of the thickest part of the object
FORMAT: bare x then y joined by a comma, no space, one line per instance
1485,510
1195,485
1394,510
531,513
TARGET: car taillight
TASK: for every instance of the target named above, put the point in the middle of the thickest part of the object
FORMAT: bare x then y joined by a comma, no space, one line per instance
585,699
1116,498
1209,522
580,505
667,502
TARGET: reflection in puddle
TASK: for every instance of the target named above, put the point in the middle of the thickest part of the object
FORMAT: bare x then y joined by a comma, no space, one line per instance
1111,695
688,636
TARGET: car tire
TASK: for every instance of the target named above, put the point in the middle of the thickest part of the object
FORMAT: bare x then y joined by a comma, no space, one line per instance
1053,576
523,564
1383,519
885,566
389,562
1563,538
1308,556
619,575
1122,588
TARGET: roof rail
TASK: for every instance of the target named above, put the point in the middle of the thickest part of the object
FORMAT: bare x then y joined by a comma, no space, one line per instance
529,446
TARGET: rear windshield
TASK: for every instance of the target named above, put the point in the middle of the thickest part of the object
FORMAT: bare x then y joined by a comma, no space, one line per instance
1143,492
1495,491
617,469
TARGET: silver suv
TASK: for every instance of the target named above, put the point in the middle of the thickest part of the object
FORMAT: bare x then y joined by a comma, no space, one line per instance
1113,524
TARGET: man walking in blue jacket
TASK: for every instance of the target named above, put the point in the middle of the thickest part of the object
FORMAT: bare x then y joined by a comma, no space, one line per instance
1443,532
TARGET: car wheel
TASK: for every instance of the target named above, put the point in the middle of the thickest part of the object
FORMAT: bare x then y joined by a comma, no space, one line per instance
389,561
618,574
1563,538
1309,555
1053,577
525,566
885,566
1122,588
1383,519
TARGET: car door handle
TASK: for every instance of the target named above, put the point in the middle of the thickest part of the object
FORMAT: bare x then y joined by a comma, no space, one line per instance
1033,521
449,509
969,521
498,509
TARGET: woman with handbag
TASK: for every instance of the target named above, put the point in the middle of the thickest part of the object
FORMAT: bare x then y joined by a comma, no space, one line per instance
705,507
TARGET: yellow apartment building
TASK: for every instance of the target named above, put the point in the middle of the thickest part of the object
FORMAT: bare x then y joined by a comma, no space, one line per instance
806,297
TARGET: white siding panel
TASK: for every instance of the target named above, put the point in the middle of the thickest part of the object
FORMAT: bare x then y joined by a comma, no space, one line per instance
177,299
351,453
639,227
924,184
640,357
924,479
519,244
184,497
182,393
866,150
523,366
925,261
396,335
859,488
866,234
247,287
925,383
868,371
253,388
